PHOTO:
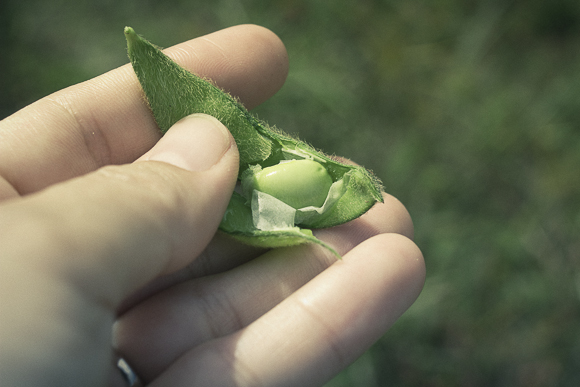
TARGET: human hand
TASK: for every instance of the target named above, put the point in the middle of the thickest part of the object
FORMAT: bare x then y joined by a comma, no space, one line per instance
88,239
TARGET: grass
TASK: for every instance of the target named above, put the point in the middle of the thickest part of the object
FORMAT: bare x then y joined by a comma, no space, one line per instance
468,110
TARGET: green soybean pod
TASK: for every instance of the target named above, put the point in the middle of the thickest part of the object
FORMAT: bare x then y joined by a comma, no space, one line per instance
288,187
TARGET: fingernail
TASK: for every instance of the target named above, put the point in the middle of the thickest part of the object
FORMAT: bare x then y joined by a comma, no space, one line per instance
195,143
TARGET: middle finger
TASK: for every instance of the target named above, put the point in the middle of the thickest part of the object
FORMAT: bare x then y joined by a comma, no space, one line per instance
160,329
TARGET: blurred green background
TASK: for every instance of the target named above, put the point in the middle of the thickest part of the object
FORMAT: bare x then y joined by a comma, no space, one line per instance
468,110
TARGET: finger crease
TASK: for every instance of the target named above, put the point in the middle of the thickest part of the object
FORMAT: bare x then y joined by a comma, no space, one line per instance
94,140
332,337
221,316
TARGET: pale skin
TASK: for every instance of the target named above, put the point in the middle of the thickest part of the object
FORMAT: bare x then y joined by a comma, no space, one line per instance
109,245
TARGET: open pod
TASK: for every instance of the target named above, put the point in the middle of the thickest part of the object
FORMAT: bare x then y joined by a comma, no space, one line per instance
287,188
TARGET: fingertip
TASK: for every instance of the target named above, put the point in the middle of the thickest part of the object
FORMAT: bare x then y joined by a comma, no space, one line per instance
410,261
400,254
399,215
394,271
195,143
269,45
248,61
272,44
388,217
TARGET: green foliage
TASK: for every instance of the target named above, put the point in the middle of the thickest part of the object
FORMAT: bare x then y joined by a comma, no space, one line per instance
469,111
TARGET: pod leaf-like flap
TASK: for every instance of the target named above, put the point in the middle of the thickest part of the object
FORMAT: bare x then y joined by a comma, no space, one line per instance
174,93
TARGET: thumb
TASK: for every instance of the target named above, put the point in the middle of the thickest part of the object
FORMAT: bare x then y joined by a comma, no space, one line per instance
113,230
71,253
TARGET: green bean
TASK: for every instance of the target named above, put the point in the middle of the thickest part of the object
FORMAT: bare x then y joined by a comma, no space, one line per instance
288,187
298,183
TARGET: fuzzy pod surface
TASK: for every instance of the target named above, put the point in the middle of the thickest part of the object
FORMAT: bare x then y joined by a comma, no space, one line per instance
342,192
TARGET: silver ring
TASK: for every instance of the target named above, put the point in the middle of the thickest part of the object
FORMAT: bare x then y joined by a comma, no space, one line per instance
128,374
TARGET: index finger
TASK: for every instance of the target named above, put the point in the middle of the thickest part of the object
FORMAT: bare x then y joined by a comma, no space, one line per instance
106,121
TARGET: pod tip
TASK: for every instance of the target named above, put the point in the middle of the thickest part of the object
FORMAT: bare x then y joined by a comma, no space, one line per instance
129,31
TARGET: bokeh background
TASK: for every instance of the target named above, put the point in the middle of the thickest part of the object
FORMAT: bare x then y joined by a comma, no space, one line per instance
469,111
